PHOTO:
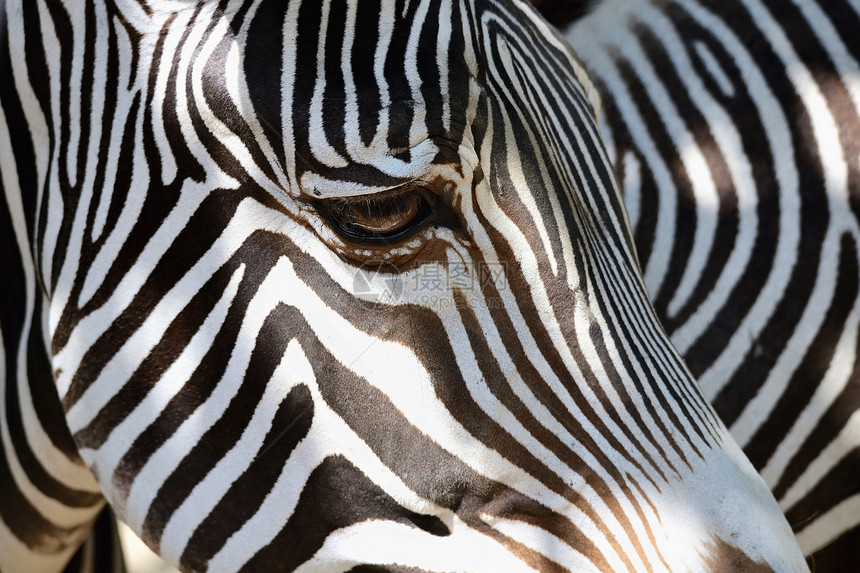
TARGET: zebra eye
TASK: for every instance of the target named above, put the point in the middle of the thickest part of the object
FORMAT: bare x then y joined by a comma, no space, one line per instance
378,219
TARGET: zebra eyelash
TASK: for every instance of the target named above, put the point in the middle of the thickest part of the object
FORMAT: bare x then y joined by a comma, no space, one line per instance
380,220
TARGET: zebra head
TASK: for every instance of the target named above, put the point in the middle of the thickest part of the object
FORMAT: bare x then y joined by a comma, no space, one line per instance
350,282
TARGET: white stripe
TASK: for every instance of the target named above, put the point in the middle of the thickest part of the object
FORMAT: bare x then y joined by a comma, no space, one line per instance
384,543
829,389
170,46
846,443
543,543
632,169
168,386
714,68
54,461
53,58
830,525
779,141
835,172
293,369
317,138
690,154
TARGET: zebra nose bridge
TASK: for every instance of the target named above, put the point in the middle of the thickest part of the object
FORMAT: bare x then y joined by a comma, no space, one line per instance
724,514
624,399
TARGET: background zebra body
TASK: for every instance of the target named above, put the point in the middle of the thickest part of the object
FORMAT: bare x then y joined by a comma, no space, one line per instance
191,193
735,130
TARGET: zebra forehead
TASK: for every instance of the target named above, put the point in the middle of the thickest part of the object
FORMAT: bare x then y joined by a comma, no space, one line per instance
343,125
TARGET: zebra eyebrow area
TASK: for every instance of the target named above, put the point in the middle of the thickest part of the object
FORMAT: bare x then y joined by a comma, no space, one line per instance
370,170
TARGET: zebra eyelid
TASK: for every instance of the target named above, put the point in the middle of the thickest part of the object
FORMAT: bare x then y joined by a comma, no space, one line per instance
352,218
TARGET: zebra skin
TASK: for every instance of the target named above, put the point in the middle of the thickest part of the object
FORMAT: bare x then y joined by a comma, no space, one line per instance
328,286
735,130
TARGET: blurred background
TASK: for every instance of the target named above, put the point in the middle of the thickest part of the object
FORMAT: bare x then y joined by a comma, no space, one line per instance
138,557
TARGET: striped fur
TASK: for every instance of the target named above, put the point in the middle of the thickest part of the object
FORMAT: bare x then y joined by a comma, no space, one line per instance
736,134
186,298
